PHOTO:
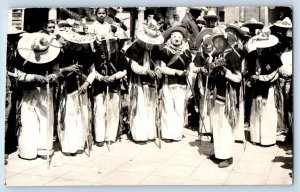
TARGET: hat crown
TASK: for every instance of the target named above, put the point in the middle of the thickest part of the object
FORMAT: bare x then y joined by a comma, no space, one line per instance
252,20
286,23
152,29
264,34
211,13
245,29
264,39
219,31
289,33
40,44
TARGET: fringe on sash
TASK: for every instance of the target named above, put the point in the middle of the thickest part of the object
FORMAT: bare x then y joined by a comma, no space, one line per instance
231,102
133,92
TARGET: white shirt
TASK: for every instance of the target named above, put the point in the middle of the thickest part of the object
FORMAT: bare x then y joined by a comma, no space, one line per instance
286,70
101,30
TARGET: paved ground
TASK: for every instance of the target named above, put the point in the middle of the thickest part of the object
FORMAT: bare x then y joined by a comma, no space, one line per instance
180,163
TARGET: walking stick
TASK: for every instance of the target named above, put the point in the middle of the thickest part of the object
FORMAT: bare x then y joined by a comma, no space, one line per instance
107,97
157,116
48,121
80,110
243,94
120,114
204,108
193,94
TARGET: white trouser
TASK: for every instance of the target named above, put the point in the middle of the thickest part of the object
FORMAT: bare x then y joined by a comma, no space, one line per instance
172,115
73,127
35,137
143,122
263,128
222,132
106,116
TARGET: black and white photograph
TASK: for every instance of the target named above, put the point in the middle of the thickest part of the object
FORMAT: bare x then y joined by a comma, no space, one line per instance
114,96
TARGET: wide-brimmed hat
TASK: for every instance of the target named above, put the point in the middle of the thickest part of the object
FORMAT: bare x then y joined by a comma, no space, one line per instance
38,48
149,33
264,39
79,38
237,29
204,34
177,28
13,31
285,23
63,23
253,24
211,14
220,32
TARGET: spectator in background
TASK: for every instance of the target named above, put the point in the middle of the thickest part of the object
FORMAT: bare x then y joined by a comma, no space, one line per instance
112,19
211,19
286,79
189,22
48,27
253,24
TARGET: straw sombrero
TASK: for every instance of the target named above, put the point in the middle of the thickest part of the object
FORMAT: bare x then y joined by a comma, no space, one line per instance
236,28
177,28
265,39
63,23
285,23
76,37
220,32
253,24
211,14
150,33
203,35
38,48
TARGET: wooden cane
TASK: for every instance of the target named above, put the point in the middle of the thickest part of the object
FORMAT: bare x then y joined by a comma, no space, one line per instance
82,117
107,98
48,121
157,116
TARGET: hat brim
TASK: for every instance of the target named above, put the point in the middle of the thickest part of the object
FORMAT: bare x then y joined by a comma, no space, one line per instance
283,26
180,29
26,52
231,38
78,38
237,29
211,16
64,25
256,25
272,41
199,38
199,8
140,34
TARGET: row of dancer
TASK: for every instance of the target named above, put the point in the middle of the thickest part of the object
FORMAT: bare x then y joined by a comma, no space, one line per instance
85,81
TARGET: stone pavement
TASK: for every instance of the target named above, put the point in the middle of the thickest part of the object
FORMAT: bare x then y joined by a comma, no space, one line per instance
179,163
